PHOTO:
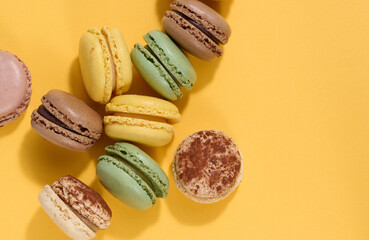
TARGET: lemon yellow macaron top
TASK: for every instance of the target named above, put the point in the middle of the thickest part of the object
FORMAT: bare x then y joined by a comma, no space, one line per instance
141,119
105,63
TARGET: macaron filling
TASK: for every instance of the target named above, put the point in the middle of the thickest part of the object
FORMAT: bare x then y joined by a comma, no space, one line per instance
135,158
120,165
113,69
199,26
46,114
154,60
83,219
135,170
84,202
166,69
173,59
172,18
163,65
141,116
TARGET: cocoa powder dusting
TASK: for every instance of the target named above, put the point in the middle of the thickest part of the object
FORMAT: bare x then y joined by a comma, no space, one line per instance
211,158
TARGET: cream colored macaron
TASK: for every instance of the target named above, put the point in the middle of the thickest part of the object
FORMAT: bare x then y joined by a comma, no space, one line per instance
105,63
75,208
141,119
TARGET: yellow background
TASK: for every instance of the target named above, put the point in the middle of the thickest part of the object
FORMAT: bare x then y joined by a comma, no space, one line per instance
292,89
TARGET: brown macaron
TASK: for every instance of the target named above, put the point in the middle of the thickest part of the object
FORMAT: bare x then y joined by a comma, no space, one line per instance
197,28
207,166
67,121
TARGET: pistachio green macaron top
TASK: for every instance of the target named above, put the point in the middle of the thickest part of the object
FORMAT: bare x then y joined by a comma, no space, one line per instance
172,58
132,176
163,65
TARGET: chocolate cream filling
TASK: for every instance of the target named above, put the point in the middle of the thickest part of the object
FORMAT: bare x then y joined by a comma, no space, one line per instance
46,114
201,28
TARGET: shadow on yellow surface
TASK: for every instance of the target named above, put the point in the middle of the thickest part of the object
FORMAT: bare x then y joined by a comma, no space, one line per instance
99,148
180,206
126,222
205,72
41,227
11,127
44,162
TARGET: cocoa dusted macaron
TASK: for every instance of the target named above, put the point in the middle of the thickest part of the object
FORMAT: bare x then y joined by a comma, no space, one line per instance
67,121
197,28
75,208
207,166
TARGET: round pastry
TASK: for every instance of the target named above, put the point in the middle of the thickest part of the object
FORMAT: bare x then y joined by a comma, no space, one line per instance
75,208
163,65
15,87
132,176
207,166
105,63
197,28
141,119
67,121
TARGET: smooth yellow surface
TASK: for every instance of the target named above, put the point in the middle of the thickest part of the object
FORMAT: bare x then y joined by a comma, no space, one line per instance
292,89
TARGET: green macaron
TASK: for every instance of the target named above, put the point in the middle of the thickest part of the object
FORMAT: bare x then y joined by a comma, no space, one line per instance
163,65
132,176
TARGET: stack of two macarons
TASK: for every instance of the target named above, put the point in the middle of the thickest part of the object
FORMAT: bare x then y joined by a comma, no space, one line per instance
196,28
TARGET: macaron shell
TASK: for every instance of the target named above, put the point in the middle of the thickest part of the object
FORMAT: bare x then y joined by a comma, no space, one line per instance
146,132
122,185
85,202
58,135
190,38
146,105
218,162
172,58
63,216
143,163
154,73
13,84
95,63
74,113
15,90
207,17
121,58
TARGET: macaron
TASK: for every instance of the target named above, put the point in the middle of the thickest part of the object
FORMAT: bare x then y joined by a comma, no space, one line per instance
67,121
163,65
207,166
141,119
75,208
15,87
132,176
197,28
105,63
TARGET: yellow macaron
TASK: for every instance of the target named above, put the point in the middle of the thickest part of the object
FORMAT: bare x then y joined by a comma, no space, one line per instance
141,119
105,63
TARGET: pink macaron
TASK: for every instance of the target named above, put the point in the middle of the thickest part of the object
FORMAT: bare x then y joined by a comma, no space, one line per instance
15,87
